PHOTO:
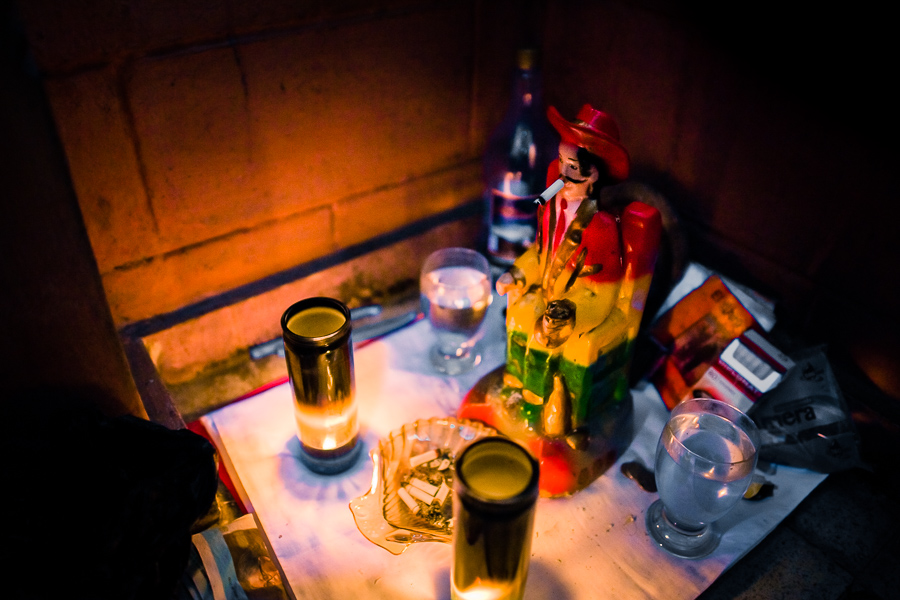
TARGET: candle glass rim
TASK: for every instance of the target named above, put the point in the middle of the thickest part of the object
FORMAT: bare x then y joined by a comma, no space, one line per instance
328,340
510,506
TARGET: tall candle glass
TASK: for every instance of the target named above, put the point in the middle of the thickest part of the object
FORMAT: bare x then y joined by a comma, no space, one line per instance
495,494
319,355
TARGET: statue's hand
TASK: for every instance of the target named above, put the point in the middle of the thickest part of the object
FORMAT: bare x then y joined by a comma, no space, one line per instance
512,280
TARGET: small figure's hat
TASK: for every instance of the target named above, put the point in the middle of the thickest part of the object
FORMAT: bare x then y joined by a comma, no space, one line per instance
596,132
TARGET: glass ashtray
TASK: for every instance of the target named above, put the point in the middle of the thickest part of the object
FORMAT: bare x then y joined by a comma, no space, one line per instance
410,499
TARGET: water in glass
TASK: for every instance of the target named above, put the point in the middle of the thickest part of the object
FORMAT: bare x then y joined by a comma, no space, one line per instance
696,497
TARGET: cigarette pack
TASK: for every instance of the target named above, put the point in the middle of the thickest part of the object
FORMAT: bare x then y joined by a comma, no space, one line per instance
691,336
748,367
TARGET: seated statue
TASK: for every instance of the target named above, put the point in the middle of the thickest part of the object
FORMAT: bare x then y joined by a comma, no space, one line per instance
574,304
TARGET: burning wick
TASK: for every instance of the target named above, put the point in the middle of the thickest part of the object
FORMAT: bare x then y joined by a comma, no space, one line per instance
550,192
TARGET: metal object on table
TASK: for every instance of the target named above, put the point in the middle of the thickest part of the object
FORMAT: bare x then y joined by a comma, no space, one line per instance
367,329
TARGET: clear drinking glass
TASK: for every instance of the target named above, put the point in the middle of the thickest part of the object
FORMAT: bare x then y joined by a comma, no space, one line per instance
456,292
705,460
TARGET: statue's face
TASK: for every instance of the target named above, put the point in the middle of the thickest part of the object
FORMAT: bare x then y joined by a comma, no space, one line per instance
577,184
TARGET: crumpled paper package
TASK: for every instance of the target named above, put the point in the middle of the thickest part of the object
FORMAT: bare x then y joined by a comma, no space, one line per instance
805,422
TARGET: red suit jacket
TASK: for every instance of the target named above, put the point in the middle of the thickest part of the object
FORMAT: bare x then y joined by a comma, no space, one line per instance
616,244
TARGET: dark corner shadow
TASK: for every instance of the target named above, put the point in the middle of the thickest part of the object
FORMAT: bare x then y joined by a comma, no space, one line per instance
307,485
687,225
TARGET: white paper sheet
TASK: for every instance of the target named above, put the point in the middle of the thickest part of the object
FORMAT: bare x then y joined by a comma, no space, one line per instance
590,543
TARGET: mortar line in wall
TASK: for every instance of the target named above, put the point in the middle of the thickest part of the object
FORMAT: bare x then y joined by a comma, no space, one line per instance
119,74
243,230
155,324
386,187
183,249
474,77
233,39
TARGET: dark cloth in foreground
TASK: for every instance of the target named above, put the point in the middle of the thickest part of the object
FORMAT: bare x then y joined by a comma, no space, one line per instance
97,507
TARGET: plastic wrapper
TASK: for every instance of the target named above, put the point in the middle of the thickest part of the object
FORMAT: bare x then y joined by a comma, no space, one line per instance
805,422
231,562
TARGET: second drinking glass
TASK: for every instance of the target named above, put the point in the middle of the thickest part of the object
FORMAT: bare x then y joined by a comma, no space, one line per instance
456,291
705,460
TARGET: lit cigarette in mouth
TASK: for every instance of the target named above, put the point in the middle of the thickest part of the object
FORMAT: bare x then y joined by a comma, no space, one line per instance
550,191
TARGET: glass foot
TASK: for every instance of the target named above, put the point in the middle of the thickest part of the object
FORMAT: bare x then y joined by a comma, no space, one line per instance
454,364
686,544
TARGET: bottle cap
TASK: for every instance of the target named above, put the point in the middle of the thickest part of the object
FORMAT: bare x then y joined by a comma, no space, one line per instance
526,58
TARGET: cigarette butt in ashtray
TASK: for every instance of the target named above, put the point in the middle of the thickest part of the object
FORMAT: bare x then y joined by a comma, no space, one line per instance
550,191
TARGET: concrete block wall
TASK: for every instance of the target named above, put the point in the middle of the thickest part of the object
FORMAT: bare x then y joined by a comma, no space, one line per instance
215,144
212,144
224,160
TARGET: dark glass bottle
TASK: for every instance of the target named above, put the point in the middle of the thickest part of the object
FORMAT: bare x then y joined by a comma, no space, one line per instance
515,165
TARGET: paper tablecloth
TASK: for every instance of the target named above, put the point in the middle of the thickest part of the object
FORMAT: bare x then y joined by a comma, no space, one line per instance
591,544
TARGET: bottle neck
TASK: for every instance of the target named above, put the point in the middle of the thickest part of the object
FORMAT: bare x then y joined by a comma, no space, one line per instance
527,89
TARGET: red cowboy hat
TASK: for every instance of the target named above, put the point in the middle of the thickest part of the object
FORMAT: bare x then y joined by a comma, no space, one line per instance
596,132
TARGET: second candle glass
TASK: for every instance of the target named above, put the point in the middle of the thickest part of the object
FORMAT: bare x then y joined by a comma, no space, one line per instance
495,491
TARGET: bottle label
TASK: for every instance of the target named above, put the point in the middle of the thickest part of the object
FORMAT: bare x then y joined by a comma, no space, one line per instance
513,225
